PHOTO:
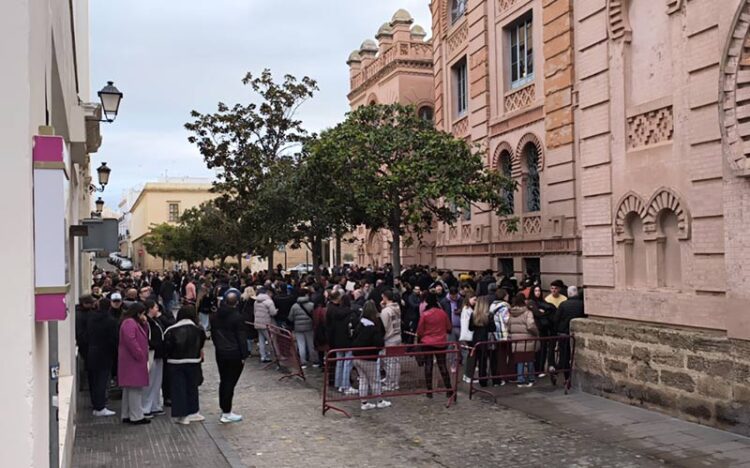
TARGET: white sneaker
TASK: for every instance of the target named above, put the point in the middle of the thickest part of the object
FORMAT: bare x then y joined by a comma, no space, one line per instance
197,417
383,404
368,406
390,388
230,418
351,391
103,413
303,366
466,379
542,375
184,421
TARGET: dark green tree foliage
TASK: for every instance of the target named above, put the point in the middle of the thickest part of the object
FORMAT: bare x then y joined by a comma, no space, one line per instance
247,143
402,174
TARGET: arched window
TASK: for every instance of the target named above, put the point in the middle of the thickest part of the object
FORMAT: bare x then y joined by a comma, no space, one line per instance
506,169
533,195
458,9
426,113
669,257
635,251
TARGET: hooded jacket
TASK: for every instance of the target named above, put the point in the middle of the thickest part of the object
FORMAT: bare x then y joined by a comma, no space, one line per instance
367,335
265,309
338,320
229,334
301,315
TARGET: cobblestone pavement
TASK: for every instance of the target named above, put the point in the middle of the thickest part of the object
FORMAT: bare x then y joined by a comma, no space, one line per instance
283,427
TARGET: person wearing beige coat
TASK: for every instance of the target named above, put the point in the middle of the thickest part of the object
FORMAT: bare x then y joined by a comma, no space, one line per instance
521,326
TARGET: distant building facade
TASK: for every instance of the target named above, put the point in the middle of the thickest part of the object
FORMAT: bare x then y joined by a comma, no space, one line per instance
396,69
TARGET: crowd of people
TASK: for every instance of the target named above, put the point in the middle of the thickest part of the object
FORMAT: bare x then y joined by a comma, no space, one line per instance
146,330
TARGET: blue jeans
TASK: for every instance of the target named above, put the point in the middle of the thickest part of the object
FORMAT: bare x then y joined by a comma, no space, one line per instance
529,371
343,370
264,345
204,321
250,346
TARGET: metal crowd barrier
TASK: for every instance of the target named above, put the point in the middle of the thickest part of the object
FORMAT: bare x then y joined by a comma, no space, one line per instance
393,371
285,352
499,361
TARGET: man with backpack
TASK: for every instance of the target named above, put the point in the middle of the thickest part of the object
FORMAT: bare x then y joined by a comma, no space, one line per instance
301,320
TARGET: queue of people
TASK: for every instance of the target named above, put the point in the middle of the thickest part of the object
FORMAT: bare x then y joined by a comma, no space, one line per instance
147,330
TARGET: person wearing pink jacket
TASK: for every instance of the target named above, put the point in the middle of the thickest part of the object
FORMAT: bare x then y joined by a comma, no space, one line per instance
132,362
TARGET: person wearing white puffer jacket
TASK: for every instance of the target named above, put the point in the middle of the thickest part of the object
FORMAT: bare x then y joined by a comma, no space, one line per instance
265,310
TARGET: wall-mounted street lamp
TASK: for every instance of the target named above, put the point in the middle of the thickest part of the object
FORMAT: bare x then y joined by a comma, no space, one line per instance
110,97
99,205
102,173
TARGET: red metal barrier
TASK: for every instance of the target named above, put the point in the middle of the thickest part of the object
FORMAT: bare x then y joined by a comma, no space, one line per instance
285,353
501,359
393,371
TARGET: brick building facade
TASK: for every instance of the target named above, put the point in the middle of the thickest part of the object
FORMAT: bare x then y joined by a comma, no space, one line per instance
633,174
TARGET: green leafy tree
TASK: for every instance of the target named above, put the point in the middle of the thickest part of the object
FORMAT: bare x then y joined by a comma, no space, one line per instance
210,233
246,143
163,241
404,175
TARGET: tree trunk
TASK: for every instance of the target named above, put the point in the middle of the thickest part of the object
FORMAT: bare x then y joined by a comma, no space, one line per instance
163,263
239,263
396,246
338,249
270,260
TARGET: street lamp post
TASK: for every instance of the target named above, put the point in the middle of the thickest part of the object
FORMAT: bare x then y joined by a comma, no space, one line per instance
102,173
110,97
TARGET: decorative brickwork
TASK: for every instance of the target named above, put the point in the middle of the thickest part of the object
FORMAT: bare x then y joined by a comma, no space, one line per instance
520,99
667,199
619,25
673,6
630,203
525,140
461,127
504,5
650,128
458,37
734,99
532,225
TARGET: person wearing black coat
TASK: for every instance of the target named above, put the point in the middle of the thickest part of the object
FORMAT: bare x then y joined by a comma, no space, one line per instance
103,332
568,310
183,348
339,323
369,334
481,324
157,324
544,316
283,301
229,335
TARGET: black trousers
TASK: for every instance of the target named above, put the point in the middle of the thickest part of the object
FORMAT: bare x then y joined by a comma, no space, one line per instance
229,373
98,386
184,379
166,387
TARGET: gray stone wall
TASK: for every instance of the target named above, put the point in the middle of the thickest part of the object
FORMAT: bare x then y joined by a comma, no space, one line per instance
698,375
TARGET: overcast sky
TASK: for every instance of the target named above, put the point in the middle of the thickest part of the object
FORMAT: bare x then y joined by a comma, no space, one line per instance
171,56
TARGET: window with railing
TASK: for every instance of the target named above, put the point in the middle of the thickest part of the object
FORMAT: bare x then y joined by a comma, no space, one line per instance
521,52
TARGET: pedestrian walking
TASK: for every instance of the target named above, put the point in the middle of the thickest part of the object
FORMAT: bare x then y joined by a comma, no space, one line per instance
132,362
230,342
183,348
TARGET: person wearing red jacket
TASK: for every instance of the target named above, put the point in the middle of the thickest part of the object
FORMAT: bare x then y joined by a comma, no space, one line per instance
433,327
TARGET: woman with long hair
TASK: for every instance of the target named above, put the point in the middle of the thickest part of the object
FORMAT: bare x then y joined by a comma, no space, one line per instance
466,336
132,362
369,334
433,327
481,324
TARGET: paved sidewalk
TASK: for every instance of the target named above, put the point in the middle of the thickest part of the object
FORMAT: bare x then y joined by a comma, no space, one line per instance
673,441
108,443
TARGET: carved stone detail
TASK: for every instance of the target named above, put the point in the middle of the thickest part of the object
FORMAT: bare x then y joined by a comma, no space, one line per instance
461,127
495,158
532,225
673,6
458,38
630,203
651,127
666,199
521,98
734,100
526,139
503,5
619,25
